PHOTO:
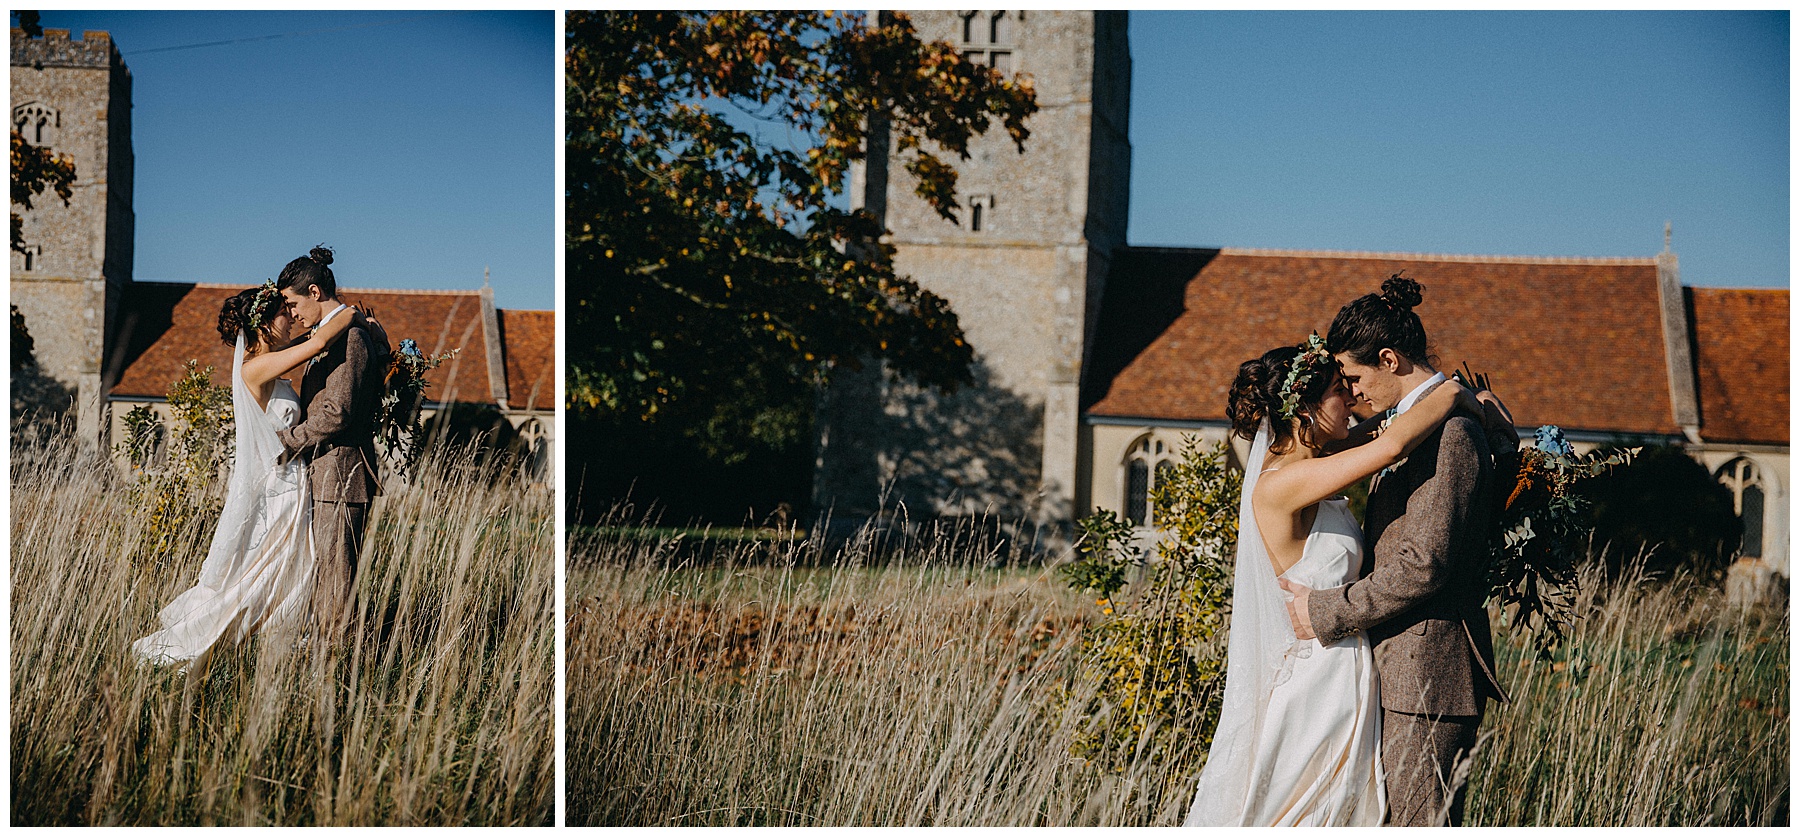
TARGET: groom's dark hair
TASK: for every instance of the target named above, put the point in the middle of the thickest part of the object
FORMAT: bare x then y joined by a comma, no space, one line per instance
1373,322
312,270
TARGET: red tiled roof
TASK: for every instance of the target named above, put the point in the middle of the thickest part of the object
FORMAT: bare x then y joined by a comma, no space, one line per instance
1572,342
1741,360
166,323
530,340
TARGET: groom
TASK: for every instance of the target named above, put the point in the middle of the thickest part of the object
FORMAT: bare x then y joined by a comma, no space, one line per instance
1421,593
337,437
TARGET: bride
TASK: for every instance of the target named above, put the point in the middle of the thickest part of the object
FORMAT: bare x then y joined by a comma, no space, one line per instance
258,572
1299,737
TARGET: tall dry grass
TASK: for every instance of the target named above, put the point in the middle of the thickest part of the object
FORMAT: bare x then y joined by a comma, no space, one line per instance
1668,707
766,687
439,710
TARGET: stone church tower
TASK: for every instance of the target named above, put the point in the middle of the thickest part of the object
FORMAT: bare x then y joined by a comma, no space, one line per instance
1023,269
74,96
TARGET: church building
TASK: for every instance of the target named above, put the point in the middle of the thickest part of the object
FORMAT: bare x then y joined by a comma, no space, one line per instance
110,342
1095,357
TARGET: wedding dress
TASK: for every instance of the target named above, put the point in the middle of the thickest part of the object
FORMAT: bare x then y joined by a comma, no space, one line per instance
258,573
1299,735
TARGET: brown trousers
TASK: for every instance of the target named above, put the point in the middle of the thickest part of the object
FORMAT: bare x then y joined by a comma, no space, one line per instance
1419,754
337,530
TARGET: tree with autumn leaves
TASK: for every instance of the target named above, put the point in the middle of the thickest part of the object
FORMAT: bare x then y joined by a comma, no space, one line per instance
35,170
715,274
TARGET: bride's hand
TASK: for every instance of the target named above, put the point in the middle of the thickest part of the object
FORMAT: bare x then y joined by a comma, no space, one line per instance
1488,397
1497,421
377,331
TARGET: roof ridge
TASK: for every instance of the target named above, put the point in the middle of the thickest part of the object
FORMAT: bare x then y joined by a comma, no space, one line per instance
1715,289
344,290
341,290
1438,257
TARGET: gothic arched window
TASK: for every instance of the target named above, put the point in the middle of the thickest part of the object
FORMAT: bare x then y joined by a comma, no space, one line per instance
1740,477
1137,492
981,212
1000,29
36,122
1140,478
987,38
537,448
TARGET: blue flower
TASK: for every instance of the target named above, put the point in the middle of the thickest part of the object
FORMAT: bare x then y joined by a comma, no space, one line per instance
408,347
1550,440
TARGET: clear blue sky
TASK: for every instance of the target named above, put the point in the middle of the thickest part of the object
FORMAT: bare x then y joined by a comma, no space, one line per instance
420,151
1507,133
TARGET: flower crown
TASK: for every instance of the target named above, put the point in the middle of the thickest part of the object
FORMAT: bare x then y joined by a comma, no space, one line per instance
1312,358
258,302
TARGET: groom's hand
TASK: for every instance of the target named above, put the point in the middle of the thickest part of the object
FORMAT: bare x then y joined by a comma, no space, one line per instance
1303,628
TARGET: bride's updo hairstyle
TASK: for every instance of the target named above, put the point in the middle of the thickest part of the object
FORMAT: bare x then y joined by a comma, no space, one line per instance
258,305
312,270
1257,394
1373,322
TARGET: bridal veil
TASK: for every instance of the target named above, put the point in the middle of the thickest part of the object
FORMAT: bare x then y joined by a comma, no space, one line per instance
1259,655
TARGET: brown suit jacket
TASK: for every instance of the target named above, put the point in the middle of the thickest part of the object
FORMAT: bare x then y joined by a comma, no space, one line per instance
1424,577
337,437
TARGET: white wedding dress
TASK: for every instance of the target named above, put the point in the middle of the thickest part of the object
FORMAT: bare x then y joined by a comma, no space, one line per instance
258,573
1299,736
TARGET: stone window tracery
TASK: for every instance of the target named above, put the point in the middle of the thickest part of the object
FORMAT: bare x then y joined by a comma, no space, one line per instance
37,123
987,38
981,212
1141,478
1741,478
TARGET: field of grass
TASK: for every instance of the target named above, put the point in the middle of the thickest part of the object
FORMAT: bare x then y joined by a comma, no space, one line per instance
440,710
760,687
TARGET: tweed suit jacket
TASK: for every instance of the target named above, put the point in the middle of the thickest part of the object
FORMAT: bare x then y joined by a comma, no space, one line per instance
1424,576
337,437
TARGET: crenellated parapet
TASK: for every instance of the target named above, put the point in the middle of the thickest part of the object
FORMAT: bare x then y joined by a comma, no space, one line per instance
94,50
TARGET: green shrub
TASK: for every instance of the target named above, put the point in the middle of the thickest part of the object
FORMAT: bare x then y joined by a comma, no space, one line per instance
177,469
1156,657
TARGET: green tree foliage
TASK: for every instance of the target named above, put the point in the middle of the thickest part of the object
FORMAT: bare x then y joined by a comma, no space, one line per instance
714,279
35,169
1667,503
1157,657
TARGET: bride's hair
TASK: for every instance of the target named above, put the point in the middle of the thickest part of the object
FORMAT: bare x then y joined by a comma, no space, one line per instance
1373,322
239,311
309,271
1256,394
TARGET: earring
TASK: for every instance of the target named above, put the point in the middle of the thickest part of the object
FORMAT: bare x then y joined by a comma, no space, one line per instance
1306,431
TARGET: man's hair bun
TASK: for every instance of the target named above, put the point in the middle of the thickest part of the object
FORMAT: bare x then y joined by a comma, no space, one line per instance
1402,292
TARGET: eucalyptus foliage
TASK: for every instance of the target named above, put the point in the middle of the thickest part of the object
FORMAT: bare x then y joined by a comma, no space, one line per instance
1542,533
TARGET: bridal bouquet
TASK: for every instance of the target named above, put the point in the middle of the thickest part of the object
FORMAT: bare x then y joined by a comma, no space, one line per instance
1541,532
397,415
1541,528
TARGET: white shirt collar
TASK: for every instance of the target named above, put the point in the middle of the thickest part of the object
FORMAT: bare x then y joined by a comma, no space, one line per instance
342,306
1418,393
